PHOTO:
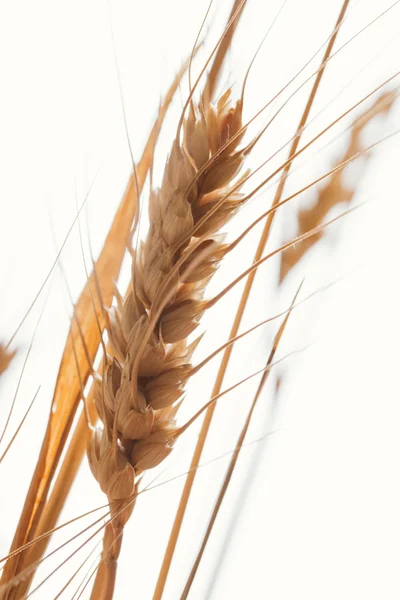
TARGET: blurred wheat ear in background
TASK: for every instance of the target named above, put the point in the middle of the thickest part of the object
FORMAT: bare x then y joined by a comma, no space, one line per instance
5,358
186,301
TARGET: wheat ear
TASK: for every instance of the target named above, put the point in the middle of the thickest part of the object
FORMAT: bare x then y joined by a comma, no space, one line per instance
334,191
149,362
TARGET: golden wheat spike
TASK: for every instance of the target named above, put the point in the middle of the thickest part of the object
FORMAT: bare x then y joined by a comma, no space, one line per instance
149,362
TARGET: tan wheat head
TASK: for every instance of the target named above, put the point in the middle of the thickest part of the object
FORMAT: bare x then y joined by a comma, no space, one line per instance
149,358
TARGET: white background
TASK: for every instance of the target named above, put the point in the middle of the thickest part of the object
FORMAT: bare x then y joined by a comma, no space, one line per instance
313,508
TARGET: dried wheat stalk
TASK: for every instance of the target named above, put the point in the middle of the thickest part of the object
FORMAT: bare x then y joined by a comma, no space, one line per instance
149,362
